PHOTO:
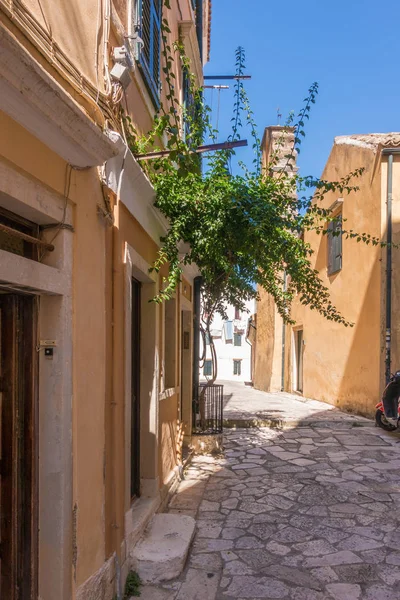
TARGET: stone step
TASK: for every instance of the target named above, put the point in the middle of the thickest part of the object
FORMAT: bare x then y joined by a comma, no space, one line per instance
161,554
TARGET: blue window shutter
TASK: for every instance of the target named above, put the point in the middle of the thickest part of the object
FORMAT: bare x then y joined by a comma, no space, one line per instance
149,52
187,102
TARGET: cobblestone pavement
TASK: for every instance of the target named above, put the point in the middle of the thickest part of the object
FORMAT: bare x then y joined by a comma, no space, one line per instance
309,513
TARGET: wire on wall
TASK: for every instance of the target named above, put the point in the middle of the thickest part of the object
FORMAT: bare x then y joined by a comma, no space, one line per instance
59,226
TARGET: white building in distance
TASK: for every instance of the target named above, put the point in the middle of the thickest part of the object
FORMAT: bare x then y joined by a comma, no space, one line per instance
232,349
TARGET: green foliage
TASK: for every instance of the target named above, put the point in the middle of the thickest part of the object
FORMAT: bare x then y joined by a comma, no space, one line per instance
241,230
132,585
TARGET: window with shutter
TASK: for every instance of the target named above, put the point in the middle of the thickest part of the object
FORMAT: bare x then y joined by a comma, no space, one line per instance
207,369
149,51
237,367
237,339
188,104
335,245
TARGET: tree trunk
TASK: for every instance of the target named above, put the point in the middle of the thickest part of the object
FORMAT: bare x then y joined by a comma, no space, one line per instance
211,381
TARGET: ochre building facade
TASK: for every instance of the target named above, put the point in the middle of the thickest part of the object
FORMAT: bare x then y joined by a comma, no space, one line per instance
320,359
96,378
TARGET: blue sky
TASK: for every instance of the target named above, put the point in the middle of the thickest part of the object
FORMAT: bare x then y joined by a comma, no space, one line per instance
350,47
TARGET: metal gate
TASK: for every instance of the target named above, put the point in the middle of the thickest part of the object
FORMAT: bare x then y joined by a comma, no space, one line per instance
208,413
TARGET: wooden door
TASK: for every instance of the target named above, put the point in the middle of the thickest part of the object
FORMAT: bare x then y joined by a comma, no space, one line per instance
18,448
299,359
135,390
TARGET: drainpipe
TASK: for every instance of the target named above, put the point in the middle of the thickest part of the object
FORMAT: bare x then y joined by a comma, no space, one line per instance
389,152
389,267
199,26
283,341
196,340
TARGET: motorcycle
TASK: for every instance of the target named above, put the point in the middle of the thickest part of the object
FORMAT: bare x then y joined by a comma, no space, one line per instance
389,406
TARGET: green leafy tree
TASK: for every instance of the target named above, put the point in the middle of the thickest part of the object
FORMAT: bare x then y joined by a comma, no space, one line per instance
242,229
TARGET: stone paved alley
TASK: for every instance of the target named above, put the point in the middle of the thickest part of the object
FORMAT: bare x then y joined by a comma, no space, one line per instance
310,512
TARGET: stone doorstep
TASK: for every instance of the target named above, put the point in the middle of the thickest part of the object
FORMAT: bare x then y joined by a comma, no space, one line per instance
162,552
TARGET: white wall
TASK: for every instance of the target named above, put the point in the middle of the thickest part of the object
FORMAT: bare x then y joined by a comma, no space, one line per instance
227,352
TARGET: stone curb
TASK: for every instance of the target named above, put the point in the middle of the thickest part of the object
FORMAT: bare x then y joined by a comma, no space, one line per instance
292,424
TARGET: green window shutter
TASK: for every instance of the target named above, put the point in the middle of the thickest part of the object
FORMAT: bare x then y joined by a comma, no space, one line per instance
207,369
330,242
335,245
338,245
237,367
237,339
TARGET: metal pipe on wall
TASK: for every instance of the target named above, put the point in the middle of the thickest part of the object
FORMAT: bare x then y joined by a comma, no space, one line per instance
196,338
283,340
389,267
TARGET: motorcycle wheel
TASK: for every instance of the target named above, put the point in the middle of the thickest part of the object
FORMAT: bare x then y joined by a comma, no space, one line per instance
382,422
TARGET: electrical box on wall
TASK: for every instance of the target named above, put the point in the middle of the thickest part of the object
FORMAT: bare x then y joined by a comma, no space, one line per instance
121,73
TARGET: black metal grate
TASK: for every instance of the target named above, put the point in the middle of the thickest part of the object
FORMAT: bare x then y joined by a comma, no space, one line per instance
208,413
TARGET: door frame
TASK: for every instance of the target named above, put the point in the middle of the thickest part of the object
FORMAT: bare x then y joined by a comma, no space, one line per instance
298,360
19,432
136,267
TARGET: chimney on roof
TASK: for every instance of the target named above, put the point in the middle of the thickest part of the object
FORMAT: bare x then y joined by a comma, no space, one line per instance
276,145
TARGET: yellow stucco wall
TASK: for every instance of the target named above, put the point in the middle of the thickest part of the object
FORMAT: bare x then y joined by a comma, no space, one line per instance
342,365
33,158
395,346
78,29
267,360
168,434
99,334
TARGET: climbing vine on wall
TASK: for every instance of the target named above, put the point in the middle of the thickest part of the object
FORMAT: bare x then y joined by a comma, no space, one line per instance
241,228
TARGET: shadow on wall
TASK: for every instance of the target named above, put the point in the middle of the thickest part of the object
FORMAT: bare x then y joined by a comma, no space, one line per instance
367,351
265,342
345,366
